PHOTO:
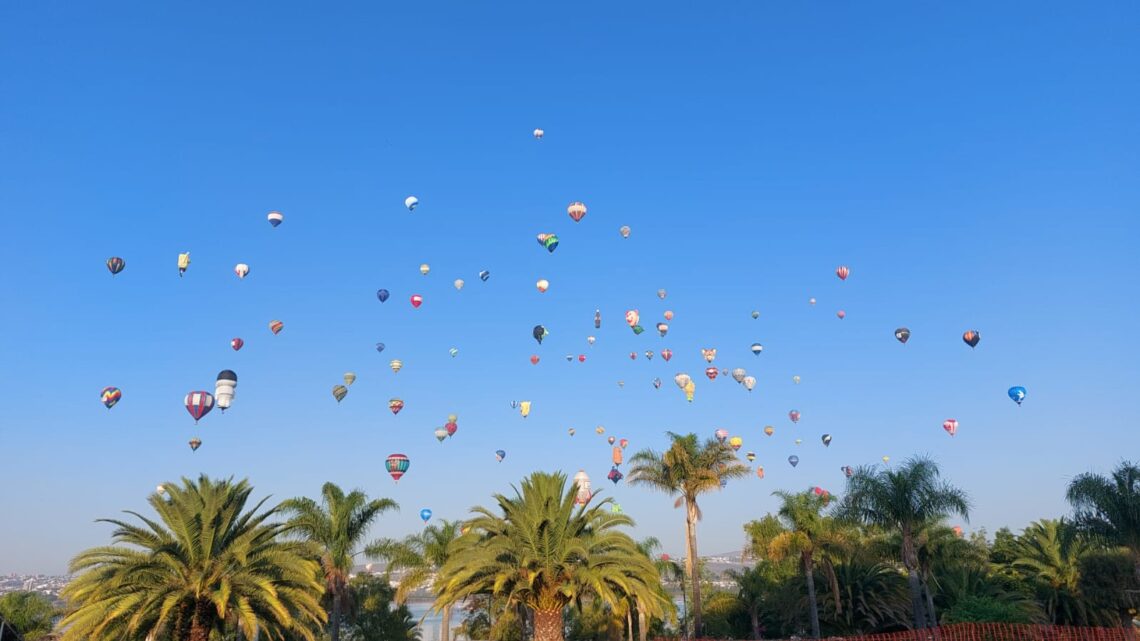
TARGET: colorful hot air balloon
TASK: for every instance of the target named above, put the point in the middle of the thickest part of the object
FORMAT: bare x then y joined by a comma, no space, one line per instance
649,354
615,475
902,335
339,392
842,272
195,443
549,241
115,265
395,405
397,465
440,434
242,270
453,352
534,359
738,374
826,438
236,343
794,460
425,515
759,471
576,211
199,404
275,218
542,285
848,471
886,460
524,408
1017,394
425,269
417,300
582,481
616,455
656,383
841,314
632,317
611,440
538,134
749,382
571,431
110,396
689,389
794,415
411,202
751,456
736,443
957,531
769,430
539,332
624,443
224,388
799,440
451,427
667,354
458,284
682,380
756,349
951,426
721,435
396,365
709,354
711,372
668,314
624,231
382,294
276,326
183,263
972,337
349,378
811,301
755,314
500,455
662,329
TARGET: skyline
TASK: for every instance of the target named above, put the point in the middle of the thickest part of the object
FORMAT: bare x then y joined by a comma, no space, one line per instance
973,173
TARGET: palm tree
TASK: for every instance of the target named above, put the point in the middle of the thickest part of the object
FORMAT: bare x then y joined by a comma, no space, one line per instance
419,556
203,566
799,529
1048,555
665,567
686,470
542,551
1109,508
338,525
903,500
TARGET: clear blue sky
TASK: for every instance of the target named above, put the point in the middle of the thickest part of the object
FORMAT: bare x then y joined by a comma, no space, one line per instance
975,164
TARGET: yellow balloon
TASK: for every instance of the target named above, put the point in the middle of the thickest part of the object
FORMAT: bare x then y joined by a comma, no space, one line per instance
396,364
524,408
425,268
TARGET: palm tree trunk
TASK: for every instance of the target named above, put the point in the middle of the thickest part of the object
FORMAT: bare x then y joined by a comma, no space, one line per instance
931,620
642,623
910,561
628,624
694,564
334,623
445,624
200,622
684,602
754,613
809,574
548,625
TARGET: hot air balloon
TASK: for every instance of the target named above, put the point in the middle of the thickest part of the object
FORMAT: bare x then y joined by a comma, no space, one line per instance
972,337
794,460
199,404
395,405
649,354
841,314
755,314
549,241
951,426
411,202
339,392
681,379
668,315
799,440
538,134
709,354
236,343
397,465
749,382
425,269
242,270
534,359
582,481
183,263
796,379
751,456
581,358
662,329
425,515
624,443
500,455
453,352
275,218
484,275
110,396
115,265
542,285
902,335
597,319
224,388
160,489
667,354
571,431
276,326
756,349
611,440
656,383
379,347
842,272
794,415
957,531
769,430
721,435
396,365
633,356
576,211
458,284
417,300
738,374
711,372
690,389
524,408
539,332
382,294
616,455
1017,394
826,438
615,475
848,471
349,378
632,317
811,301
886,460
759,471
624,231
195,443
440,434
451,427
736,443
514,404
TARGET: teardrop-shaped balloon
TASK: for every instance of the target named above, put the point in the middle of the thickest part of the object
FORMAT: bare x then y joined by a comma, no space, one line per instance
951,426
396,365
380,347
751,456
425,514
115,265
275,218
667,354
972,337
738,374
276,326
826,438
794,460
110,396
576,211
841,314
755,314
542,285
458,284
796,379
571,431
440,434
682,380
611,440
769,430
624,231
649,354
195,443
721,435
242,270
668,314
382,294
339,392
484,275
411,202
749,382
417,300
842,271
661,293
395,405
453,352
425,269
591,340
756,349
237,344
657,383
349,378
1017,394
794,415
886,460
902,335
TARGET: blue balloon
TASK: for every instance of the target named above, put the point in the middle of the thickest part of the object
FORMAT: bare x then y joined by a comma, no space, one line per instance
794,460
500,455
382,295
379,347
1017,394
425,514
484,275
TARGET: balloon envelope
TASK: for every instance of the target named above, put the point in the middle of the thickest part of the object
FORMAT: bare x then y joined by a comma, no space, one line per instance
411,202
425,514
382,294
794,460
1017,394
110,396
397,465
275,218
972,337
902,335
115,265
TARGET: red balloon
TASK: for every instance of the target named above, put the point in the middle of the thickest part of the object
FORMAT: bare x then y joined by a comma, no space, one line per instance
417,300
951,426
633,356
842,272
581,358
237,344
667,354
534,359
712,372
451,428
841,314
